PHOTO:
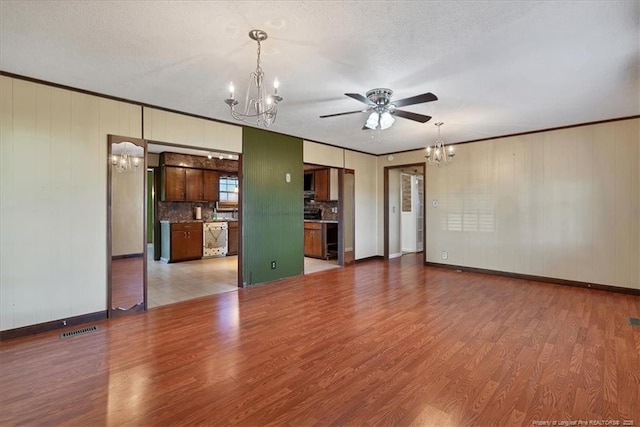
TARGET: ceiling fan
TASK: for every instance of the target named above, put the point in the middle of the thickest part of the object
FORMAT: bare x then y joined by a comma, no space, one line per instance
382,109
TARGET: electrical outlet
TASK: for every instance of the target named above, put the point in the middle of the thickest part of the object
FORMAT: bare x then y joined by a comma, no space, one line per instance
273,265
445,254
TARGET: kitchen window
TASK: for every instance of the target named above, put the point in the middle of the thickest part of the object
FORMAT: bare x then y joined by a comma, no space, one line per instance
228,190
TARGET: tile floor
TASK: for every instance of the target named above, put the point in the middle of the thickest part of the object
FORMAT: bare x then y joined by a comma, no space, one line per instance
171,283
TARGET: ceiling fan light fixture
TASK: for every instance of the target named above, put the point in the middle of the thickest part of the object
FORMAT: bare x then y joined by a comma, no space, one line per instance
382,111
372,121
386,120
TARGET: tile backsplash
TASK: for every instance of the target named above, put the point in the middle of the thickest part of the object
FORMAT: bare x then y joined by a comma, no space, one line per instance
326,209
184,211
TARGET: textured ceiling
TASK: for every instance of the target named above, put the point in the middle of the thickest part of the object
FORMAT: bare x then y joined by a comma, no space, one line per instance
498,67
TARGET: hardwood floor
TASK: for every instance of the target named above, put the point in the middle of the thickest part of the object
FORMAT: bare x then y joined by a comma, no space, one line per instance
378,343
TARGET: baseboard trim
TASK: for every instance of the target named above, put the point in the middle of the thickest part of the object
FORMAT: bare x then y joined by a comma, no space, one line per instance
127,256
369,258
553,280
396,255
52,325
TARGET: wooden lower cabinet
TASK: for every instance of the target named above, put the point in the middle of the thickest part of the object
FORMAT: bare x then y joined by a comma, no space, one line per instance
180,241
232,241
320,240
313,240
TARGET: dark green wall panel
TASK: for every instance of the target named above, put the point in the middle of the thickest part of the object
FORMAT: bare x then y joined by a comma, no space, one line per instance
272,208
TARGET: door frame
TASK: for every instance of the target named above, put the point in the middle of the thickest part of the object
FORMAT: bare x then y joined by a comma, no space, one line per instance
386,205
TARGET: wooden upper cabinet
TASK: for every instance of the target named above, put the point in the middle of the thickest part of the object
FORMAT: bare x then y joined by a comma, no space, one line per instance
210,185
321,185
188,184
173,184
194,185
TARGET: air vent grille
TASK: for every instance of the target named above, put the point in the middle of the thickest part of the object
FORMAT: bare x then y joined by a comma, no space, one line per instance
79,332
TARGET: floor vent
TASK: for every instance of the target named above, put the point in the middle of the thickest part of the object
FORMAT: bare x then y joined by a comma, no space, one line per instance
78,332
634,322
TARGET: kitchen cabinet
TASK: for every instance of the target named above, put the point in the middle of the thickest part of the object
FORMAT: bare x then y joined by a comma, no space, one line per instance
232,238
210,185
193,184
321,185
173,183
180,241
320,239
188,184
325,184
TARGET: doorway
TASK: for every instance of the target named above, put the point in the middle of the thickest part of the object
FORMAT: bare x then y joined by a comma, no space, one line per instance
169,283
404,196
329,217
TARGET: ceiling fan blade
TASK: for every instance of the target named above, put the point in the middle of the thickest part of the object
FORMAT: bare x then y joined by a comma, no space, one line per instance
341,114
360,98
418,99
412,116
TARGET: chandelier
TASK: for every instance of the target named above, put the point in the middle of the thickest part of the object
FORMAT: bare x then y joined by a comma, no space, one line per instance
259,108
439,154
125,157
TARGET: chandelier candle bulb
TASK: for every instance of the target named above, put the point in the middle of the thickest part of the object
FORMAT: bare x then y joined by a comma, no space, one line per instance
231,90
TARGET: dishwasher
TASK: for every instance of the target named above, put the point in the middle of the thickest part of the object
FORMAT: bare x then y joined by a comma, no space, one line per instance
214,239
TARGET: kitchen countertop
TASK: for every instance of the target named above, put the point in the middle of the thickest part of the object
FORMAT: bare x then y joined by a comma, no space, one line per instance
200,220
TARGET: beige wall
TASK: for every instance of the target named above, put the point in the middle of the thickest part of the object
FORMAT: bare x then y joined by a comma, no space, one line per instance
164,126
561,204
322,154
394,214
366,202
53,181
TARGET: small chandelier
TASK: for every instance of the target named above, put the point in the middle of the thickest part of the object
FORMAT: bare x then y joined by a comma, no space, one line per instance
126,160
439,154
261,109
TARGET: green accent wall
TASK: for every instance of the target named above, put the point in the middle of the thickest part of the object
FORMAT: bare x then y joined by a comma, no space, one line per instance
272,209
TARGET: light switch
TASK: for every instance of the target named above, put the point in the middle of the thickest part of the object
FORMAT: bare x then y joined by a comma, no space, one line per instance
287,177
